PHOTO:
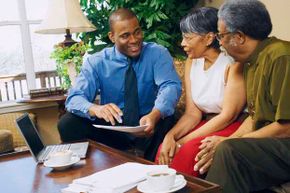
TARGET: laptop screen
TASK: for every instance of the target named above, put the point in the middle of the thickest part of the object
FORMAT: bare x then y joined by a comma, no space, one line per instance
30,134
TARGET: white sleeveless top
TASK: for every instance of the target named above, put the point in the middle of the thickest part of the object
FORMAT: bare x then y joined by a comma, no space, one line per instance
207,86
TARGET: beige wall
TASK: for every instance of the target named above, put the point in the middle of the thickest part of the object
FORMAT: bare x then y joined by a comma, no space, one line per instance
279,11
280,15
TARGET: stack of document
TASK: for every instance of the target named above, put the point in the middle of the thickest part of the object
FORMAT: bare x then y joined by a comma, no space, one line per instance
118,179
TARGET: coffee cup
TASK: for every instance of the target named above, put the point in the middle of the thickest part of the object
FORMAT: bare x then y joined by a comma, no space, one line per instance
61,157
161,180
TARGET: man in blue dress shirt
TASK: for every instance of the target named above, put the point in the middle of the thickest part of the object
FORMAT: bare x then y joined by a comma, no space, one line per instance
103,73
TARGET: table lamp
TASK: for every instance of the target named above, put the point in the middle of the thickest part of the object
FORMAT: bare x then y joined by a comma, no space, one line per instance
65,17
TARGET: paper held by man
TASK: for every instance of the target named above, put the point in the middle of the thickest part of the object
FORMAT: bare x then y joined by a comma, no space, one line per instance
127,129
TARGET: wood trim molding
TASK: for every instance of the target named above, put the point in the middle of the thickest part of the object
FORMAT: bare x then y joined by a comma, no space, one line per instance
8,107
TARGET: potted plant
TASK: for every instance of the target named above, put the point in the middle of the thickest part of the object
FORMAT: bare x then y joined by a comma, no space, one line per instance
69,60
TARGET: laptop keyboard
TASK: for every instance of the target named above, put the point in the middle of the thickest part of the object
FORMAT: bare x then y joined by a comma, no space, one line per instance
54,148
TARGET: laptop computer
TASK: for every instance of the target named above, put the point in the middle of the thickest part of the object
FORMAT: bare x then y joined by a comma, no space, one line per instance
39,151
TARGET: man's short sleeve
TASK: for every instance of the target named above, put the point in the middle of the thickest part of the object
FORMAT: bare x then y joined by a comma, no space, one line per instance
280,88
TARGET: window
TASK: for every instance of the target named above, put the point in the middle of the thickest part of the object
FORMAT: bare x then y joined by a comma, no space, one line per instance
23,52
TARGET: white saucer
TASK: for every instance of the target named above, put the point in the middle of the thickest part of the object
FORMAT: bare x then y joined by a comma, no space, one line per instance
51,164
180,182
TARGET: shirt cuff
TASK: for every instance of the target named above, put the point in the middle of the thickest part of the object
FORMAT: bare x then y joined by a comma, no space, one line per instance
84,111
165,112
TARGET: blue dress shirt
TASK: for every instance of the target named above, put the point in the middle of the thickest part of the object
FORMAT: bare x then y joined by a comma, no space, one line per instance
104,72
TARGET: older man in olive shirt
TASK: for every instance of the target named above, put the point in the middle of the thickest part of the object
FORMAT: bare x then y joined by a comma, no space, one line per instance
257,155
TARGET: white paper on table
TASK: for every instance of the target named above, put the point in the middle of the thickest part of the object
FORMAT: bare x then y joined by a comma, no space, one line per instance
78,188
127,129
118,179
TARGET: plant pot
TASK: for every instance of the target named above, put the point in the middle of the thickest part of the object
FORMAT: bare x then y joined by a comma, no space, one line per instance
71,72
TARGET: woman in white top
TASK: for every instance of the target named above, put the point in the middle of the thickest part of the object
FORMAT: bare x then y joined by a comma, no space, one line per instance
213,86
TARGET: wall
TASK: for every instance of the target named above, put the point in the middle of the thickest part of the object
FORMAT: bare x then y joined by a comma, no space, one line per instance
279,11
280,15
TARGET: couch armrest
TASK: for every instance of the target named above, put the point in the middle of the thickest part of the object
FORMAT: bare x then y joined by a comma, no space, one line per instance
7,122
6,141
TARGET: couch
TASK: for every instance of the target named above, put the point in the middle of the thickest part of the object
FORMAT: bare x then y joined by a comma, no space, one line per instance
179,66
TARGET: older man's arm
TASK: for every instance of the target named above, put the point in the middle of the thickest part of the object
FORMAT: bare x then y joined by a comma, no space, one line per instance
275,129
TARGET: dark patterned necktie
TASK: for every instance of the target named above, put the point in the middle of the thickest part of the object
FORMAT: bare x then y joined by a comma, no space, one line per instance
131,105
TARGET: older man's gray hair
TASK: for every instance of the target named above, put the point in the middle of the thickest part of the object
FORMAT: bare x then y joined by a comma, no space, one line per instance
248,16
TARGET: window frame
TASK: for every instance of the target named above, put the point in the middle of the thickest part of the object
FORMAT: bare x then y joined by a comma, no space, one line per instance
24,25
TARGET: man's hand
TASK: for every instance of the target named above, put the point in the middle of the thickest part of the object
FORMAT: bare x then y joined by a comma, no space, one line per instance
205,156
168,150
150,119
110,112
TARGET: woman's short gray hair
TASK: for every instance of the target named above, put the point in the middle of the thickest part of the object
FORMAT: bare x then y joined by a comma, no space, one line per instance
248,16
201,21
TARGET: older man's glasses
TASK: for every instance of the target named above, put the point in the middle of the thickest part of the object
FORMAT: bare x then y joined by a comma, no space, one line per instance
220,36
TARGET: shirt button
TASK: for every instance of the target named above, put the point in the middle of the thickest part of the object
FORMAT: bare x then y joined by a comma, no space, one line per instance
248,63
251,104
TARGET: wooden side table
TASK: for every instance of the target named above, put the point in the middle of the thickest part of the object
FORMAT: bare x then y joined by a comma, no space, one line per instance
59,99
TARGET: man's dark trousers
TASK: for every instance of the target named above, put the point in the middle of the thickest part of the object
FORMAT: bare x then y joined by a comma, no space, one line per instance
245,165
72,128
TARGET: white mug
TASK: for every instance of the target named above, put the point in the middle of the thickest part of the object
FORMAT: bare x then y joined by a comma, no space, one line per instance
61,157
161,180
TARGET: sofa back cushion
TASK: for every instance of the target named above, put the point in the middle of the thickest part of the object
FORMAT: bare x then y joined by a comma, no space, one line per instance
179,66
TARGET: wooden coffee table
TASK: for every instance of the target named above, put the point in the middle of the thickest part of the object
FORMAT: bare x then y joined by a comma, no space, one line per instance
19,173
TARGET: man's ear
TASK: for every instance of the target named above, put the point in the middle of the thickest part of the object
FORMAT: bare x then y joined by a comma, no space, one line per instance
241,37
111,36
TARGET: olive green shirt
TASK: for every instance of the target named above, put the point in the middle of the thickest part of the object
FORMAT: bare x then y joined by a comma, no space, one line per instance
267,76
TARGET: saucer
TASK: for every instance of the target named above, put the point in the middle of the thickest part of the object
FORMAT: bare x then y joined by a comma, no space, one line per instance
56,166
180,182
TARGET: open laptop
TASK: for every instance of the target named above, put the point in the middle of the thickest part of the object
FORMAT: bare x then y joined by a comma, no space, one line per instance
39,151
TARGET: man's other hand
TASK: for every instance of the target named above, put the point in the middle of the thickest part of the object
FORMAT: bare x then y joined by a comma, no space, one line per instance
207,149
150,119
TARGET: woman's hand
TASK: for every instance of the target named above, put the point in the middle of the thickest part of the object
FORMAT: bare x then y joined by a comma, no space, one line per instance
205,156
168,150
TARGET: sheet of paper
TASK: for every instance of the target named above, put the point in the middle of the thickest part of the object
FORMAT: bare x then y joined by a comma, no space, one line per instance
127,129
124,177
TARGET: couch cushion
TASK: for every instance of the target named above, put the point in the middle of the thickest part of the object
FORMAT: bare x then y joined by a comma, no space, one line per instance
6,141
7,121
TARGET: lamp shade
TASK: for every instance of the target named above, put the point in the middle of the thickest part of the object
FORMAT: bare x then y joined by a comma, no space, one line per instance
63,15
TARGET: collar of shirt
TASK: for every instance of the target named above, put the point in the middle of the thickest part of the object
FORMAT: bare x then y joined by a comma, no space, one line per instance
118,56
253,58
